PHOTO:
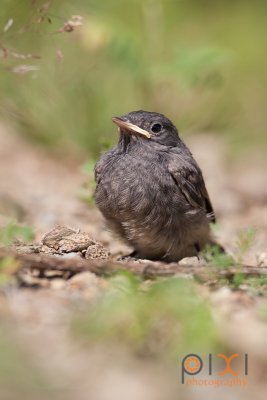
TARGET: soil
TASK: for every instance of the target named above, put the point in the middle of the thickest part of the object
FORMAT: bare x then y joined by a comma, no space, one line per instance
44,192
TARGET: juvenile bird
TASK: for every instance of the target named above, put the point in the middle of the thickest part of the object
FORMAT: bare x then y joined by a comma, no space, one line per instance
151,190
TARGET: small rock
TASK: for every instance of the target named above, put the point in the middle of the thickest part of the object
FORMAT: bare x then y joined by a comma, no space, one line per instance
97,251
53,274
261,259
69,255
194,261
47,250
83,281
57,284
52,238
67,240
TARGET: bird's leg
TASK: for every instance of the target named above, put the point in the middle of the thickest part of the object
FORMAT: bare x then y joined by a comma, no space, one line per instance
197,247
133,256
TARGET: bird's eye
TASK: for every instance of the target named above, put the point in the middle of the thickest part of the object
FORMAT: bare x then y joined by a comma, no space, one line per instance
156,128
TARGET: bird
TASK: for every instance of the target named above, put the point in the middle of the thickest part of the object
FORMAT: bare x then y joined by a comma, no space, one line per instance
151,190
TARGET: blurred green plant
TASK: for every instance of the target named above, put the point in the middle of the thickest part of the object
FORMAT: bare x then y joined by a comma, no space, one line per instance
244,242
200,66
8,234
13,231
8,267
215,256
160,319
257,285
203,64
237,280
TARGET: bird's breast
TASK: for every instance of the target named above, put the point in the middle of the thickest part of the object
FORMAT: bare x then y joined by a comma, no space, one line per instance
132,187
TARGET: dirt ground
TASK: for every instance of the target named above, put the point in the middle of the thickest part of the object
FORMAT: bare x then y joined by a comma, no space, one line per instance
43,192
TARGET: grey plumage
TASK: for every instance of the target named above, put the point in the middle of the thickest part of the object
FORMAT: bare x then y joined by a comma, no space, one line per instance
151,190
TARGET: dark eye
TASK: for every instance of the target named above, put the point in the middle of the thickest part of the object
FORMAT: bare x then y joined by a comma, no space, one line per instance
156,128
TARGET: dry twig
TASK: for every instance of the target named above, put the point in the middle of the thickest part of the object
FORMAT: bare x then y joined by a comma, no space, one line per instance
146,270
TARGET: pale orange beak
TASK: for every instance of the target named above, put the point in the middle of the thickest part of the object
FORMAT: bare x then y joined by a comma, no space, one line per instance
130,127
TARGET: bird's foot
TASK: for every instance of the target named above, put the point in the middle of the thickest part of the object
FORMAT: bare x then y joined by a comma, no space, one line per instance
134,256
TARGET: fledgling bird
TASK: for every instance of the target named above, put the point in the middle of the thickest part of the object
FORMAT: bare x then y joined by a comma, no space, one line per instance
151,190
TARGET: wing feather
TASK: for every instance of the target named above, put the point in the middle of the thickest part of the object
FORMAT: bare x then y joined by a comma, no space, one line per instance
191,184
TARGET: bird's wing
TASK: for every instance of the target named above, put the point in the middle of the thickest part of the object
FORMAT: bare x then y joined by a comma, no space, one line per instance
191,184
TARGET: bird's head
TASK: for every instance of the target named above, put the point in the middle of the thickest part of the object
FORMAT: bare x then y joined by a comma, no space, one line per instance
149,126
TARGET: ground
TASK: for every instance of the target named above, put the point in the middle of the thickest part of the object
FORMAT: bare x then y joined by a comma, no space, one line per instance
44,191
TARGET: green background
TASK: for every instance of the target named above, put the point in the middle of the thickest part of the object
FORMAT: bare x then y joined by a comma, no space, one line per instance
200,62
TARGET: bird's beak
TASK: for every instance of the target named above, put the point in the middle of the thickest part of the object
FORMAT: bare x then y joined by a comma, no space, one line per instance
130,127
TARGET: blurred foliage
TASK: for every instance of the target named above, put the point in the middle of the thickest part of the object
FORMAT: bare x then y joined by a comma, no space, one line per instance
256,286
8,267
12,231
8,234
162,319
244,242
202,63
217,257
19,378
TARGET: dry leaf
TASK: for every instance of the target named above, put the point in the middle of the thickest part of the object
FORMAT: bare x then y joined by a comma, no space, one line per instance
8,24
23,69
